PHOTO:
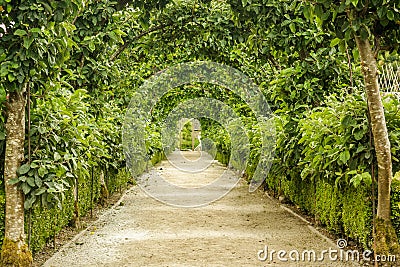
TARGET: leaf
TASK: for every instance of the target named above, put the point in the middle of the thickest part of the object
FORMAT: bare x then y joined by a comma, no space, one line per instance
29,202
344,156
40,191
57,156
306,12
34,165
42,171
318,11
390,15
13,181
366,177
292,27
359,135
20,32
27,42
356,180
38,182
92,46
35,30
31,181
347,121
334,42
25,188
23,169
382,12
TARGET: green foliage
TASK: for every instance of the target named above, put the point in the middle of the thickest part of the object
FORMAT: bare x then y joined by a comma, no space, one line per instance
356,214
335,140
83,61
215,140
395,203
186,137
378,19
332,179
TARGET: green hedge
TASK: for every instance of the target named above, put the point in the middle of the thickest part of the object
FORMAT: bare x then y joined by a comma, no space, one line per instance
47,222
395,205
345,210
323,164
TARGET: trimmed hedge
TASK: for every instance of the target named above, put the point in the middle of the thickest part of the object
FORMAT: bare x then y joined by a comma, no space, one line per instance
47,222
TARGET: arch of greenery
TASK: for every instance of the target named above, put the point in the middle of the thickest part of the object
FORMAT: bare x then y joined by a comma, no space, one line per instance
67,67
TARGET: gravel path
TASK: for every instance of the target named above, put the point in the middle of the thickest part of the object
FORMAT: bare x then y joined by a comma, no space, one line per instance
141,231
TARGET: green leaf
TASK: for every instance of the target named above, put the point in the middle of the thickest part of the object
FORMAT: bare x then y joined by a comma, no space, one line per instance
57,156
359,135
366,177
335,42
11,77
25,188
356,180
28,42
42,171
292,27
31,181
382,12
40,191
35,30
319,11
344,156
38,182
23,169
92,46
347,121
34,165
20,32
29,202
390,15
13,181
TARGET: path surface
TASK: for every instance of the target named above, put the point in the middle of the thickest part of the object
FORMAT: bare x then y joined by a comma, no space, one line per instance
228,232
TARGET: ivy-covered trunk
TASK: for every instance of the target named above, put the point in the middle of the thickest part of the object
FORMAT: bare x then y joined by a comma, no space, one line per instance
386,239
14,250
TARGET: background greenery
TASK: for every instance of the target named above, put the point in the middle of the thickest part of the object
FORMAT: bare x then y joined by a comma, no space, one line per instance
84,61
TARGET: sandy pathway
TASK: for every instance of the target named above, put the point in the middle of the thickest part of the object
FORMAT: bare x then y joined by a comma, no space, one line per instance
229,232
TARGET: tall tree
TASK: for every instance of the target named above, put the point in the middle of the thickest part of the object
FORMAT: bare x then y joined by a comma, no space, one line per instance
370,26
34,43
39,43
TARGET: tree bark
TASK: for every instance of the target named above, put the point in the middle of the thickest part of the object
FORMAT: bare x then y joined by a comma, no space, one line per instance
382,146
14,250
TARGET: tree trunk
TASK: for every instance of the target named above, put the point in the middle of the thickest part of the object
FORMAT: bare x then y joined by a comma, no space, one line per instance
14,250
104,194
385,240
76,216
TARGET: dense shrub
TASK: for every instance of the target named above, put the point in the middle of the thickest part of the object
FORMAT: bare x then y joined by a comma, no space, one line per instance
333,177
323,164
71,146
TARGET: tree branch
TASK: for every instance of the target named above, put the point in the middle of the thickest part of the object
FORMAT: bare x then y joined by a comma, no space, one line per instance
140,35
